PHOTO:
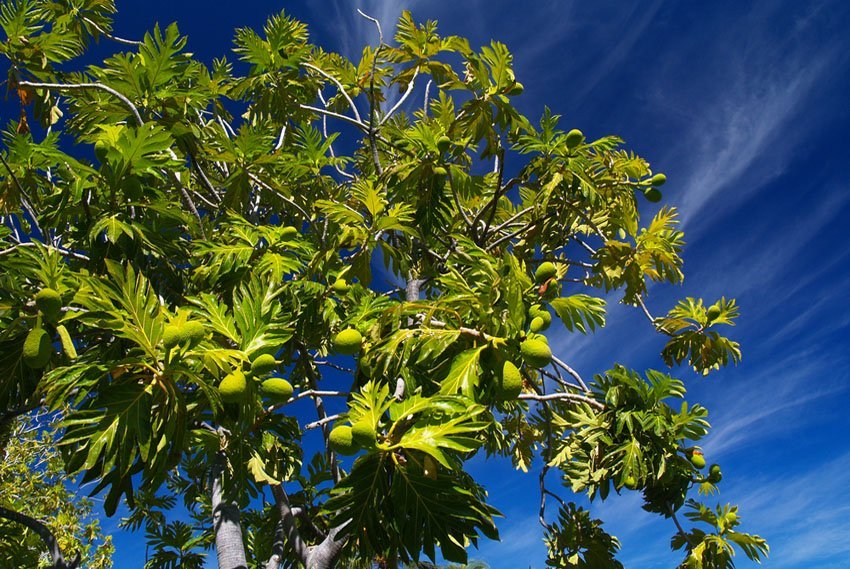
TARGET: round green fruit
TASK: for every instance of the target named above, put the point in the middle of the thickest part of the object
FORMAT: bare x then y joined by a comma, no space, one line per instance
100,150
630,482
342,440
341,286
714,474
652,195
510,382
536,352
440,171
348,341
731,518
574,138
537,311
191,332
537,324
545,272
443,143
49,303
264,364
194,332
517,89
233,387
363,433
37,349
658,180
698,460
288,232
276,389
712,313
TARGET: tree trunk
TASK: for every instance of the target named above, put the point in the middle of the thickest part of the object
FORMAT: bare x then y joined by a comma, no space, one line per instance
228,534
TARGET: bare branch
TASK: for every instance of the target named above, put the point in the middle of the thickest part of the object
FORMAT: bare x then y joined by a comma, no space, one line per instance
341,90
46,536
108,35
403,98
563,365
323,421
564,396
99,86
287,520
355,122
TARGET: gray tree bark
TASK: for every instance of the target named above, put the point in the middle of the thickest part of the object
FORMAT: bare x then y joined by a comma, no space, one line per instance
229,547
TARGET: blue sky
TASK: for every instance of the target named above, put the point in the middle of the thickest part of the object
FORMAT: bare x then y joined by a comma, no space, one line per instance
745,108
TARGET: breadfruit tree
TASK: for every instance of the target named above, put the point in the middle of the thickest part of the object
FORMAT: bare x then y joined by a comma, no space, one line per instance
204,266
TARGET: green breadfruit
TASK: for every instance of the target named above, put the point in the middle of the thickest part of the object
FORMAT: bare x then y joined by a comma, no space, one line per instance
712,313
262,365
37,349
538,311
630,482
536,352
190,333
537,324
652,195
342,440
173,335
341,286
276,389
574,138
517,89
440,171
714,474
194,332
233,387
510,382
697,459
443,143
288,232
348,341
363,433
658,180
49,303
366,362
545,272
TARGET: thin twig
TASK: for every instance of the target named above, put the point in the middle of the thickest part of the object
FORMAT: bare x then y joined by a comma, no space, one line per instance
99,86
108,35
340,87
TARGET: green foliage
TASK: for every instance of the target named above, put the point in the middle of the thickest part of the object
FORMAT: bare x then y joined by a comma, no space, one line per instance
576,541
33,482
228,224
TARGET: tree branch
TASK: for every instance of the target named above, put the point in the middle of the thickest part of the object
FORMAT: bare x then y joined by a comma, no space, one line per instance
99,86
108,35
46,536
341,90
287,520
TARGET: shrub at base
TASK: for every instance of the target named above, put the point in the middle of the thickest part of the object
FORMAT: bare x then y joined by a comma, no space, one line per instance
233,387
342,440
276,389
263,365
536,352
545,272
510,382
37,349
49,303
348,342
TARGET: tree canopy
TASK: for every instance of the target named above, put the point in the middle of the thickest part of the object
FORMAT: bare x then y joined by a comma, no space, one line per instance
191,253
